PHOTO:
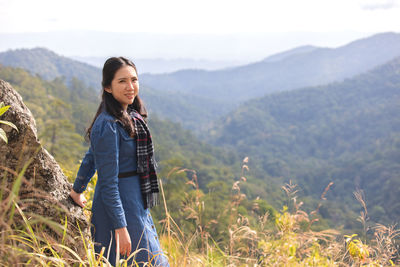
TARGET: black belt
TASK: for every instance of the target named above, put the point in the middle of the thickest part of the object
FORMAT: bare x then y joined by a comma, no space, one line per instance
127,174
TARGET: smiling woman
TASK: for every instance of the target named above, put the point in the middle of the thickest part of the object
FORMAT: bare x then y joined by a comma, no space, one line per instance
121,150
125,86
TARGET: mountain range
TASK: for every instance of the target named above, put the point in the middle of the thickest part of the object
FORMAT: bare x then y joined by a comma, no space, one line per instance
197,97
301,67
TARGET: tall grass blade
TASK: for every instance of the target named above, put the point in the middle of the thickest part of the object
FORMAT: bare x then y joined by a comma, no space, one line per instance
16,187
28,226
9,124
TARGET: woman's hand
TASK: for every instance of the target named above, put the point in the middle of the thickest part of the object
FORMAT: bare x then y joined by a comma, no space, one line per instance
78,198
122,236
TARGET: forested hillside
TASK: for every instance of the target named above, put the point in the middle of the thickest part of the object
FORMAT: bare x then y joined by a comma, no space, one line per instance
193,112
347,132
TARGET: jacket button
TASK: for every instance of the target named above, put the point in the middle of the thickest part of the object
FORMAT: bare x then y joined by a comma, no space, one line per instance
152,226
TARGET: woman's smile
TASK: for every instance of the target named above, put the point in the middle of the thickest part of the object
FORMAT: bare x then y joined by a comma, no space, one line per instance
130,96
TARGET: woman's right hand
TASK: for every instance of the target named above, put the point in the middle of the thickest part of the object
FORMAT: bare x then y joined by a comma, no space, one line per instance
122,236
78,198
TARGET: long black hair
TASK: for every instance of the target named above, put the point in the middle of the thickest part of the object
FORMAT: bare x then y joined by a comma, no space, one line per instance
110,104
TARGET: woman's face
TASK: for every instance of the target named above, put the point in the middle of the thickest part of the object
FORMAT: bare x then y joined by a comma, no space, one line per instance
124,86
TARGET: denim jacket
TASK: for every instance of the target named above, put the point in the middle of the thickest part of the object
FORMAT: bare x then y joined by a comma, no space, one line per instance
111,151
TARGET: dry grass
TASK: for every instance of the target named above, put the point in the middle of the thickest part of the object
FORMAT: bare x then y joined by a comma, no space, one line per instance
291,242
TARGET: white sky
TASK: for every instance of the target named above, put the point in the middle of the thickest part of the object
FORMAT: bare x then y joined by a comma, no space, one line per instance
214,29
202,16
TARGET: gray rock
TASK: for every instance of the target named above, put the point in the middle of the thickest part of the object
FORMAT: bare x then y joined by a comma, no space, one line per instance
45,189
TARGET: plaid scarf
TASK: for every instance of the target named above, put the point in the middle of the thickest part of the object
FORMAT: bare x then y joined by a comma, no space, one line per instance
146,164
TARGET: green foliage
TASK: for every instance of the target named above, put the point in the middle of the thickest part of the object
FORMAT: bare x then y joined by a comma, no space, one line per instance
357,250
3,135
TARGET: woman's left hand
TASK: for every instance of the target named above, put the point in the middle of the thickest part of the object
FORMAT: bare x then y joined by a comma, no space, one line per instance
124,240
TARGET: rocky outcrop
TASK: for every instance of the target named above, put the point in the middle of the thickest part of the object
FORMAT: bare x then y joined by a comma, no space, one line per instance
45,189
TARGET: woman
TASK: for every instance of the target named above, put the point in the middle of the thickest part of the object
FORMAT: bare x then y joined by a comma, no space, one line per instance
122,152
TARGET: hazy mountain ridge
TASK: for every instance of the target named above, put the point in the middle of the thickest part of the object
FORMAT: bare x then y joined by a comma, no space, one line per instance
49,65
285,54
162,65
318,66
